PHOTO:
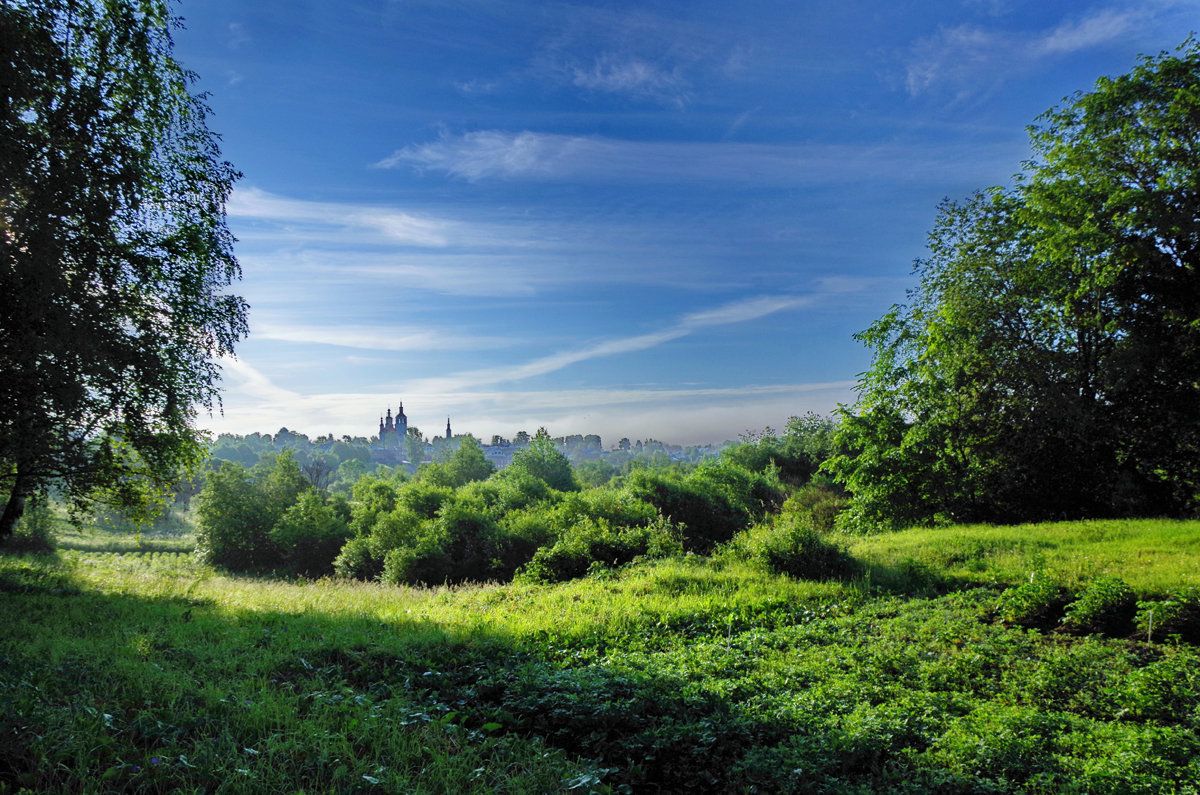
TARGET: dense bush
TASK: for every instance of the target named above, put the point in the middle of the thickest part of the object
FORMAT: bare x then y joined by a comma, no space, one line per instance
35,530
542,460
233,520
790,545
592,542
309,536
796,455
704,510
466,465
1105,605
269,517
1036,602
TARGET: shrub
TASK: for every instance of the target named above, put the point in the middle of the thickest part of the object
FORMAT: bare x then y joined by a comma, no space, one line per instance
1106,605
618,507
424,499
542,460
309,536
592,542
791,546
35,531
1033,602
1162,618
704,510
356,560
462,544
822,502
373,497
233,519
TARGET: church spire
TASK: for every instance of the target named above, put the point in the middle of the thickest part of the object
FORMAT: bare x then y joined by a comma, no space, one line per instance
448,434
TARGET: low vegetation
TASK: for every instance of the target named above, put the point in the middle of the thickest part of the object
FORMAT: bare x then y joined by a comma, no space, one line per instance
1008,659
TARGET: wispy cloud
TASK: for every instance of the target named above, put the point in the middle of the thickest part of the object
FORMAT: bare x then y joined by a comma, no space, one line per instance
238,35
1074,35
734,312
634,77
526,155
962,57
377,338
390,224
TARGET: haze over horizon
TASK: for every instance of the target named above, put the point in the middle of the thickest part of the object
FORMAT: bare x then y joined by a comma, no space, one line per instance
638,220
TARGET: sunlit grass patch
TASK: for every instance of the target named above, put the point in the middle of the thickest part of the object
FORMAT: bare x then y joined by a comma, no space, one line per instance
1152,555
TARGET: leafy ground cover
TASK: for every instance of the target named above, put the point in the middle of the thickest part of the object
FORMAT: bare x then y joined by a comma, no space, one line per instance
142,671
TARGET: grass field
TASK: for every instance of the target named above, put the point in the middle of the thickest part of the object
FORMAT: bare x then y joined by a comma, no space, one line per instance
127,667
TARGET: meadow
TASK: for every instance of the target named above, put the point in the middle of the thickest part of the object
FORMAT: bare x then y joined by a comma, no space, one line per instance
961,659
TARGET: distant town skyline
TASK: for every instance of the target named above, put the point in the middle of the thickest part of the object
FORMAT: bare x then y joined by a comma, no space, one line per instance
647,221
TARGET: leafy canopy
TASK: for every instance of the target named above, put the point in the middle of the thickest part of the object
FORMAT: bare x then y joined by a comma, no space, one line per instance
114,253
1048,364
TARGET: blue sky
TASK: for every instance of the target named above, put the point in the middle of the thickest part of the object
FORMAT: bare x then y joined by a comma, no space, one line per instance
642,219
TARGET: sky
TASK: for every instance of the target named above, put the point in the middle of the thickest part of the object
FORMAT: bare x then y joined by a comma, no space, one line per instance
639,219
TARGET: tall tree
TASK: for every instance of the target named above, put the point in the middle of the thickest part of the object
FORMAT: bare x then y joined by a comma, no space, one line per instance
1048,364
114,253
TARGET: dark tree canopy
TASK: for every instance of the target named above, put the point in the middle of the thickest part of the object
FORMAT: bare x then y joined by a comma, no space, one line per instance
114,253
1048,364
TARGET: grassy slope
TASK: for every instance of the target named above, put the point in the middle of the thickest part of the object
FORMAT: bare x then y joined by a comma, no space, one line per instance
137,671
1152,555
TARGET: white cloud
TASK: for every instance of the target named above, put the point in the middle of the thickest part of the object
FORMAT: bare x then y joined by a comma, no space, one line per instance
492,153
633,76
238,35
496,154
963,57
734,312
261,405
1072,36
389,224
377,338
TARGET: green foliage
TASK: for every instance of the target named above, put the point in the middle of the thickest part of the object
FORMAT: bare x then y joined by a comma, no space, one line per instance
309,535
1177,617
542,460
707,508
1035,602
356,560
595,542
821,503
35,531
233,520
465,465
1105,605
114,257
270,517
423,498
790,545
796,455
1053,322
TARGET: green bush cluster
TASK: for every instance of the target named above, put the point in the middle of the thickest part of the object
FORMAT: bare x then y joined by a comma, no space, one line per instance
1105,605
790,545
533,521
269,518
1030,603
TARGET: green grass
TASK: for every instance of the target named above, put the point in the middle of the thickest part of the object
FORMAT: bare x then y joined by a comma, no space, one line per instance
1151,555
137,670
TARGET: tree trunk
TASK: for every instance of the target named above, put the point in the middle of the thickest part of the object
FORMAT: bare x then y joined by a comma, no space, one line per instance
15,507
